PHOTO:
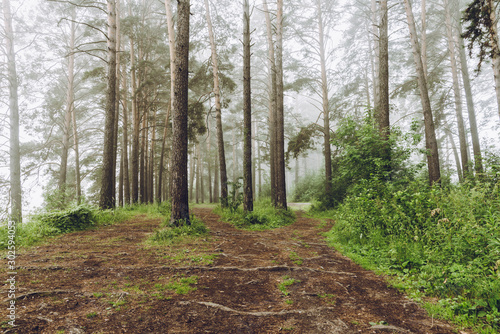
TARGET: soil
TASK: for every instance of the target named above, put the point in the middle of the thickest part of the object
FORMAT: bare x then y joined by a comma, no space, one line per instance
286,280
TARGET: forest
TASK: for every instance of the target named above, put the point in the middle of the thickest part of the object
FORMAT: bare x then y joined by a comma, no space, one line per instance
378,120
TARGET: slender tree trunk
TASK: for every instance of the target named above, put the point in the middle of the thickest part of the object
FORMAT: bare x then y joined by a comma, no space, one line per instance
259,167
247,113
218,116
180,202
476,147
77,160
424,36
376,57
14,152
235,161
456,90
383,107
272,103
171,46
430,134
107,201
455,154
70,96
152,161
126,179
209,162
200,174
192,166
142,157
162,155
495,45
254,163
136,125
326,107
197,170
216,182
280,134
117,94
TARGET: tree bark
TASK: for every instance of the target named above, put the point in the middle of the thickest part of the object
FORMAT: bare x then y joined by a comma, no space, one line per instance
476,147
280,134
107,201
209,162
430,134
218,113
117,94
14,151
456,91
424,36
272,103
247,113
376,56
180,202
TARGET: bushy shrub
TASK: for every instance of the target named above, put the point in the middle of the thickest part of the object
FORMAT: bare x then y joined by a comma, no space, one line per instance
78,218
170,234
444,241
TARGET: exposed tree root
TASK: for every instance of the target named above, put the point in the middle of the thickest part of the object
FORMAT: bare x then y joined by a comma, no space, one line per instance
270,268
33,293
258,314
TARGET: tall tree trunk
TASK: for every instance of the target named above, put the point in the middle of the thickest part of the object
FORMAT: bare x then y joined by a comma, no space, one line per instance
171,46
192,166
383,107
325,104
218,116
198,169
216,181
126,179
200,174
107,201
280,133
247,113
456,90
136,122
272,103
254,163
142,157
430,134
14,152
180,202
77,160
259,167
476,147
70,96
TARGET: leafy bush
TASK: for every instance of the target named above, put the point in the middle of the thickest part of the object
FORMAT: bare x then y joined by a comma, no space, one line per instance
441,241
264,216
75,219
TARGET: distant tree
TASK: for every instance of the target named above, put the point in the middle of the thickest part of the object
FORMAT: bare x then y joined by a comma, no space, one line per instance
14,152
430,134
180,200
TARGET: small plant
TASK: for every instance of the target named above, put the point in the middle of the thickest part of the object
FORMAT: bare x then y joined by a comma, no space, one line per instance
296,259
287,281
328,298
98,294
172,234
91,315
289,301
181,286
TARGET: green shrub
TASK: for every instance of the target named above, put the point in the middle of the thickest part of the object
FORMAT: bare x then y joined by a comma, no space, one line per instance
264,216
170,234
75,219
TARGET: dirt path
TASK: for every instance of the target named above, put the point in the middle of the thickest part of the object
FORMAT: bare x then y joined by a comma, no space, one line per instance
108,281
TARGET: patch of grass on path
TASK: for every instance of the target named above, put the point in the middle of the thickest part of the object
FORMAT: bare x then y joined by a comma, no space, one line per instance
263,217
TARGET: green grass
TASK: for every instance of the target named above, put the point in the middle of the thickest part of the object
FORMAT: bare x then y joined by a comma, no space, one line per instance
180,286
45,225
263,217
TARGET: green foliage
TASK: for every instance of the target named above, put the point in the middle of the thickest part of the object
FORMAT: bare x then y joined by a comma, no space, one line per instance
264,216
364,155
443,242
235,197
302,142
309,188
287,281
75,219
171,234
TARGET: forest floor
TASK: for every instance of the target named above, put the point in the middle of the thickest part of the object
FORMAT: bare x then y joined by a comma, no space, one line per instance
233,281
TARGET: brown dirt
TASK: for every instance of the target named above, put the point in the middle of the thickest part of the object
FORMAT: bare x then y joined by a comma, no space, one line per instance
109,281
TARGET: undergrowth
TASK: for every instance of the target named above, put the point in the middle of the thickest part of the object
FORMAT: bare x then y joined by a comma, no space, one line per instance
44,225
263,217
442,242
169,234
